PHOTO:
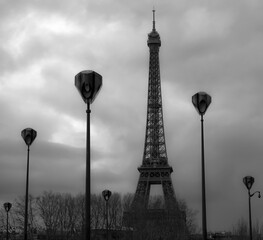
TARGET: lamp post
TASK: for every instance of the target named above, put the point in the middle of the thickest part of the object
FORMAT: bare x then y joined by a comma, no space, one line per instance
29,135
88,84
248,181
7,207
106,195
201,102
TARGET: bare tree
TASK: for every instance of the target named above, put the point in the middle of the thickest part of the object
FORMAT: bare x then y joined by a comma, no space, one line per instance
49,205
69,216
127,201
97,211
18,209
256,230
115,211
241,229
3,221
80,210
62,216
156,202
158,222
190,217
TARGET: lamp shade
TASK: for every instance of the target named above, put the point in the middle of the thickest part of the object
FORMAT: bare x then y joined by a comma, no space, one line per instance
29,135
88,84
201,102
106,194
7,206
248,181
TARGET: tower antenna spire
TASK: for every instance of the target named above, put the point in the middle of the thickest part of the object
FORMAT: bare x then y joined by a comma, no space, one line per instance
153,19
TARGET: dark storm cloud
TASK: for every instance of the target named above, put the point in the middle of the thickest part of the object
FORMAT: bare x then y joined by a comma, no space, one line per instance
52,166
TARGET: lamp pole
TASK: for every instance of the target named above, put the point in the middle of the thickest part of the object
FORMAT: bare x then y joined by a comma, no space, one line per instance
7,207
88,83
204,224
106,195
248,181
87,198
249,215
29,135
201,102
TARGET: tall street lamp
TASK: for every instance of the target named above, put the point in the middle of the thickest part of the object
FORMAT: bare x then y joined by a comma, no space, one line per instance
29,135
248,181
7,207
88,84
201,102
106,195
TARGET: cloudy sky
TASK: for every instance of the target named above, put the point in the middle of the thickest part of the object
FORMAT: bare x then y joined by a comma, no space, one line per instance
213,46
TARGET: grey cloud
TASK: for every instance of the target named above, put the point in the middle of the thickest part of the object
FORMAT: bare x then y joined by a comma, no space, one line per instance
228,67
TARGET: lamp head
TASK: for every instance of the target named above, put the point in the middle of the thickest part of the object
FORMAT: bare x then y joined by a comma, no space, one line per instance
259,195
201,102
248,181
106,194
7,206
88,84
29,135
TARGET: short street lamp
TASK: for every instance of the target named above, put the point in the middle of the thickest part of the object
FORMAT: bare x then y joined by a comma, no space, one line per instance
248,181
7,207
106,195
29,136
88,84
201,102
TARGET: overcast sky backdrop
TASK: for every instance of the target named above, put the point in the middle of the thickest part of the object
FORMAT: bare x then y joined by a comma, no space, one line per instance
213,46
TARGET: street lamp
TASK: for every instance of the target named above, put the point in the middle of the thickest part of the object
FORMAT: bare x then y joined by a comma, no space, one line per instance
29,135
201,102
7,207
106,195
248,181
88,84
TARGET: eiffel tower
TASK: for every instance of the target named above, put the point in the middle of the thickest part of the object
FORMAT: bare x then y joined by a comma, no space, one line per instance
155,168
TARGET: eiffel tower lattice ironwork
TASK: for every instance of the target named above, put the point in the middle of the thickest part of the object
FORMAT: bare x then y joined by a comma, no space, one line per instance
168,222
155,168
